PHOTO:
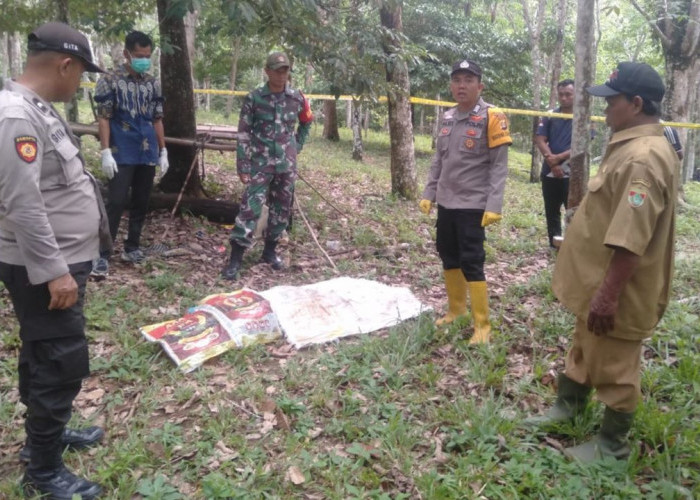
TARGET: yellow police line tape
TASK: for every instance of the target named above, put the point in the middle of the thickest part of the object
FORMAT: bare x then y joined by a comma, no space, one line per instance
420,100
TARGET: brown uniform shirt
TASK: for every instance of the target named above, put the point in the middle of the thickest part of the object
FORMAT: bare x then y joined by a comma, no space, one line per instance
630,204
470,165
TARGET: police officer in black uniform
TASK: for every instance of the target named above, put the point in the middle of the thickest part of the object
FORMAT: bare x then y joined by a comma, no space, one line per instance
52,222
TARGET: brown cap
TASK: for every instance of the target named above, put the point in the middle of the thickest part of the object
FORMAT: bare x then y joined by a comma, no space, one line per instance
59,37
277,60
466,66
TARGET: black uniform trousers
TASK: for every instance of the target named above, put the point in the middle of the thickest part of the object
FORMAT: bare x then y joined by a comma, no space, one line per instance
138,178
555,192
53,359
460,241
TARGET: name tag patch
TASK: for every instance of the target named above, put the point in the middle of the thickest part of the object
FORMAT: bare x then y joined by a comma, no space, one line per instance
26,148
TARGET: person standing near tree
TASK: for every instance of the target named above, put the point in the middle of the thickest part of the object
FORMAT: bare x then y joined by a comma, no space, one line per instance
615,265
467,179
553,139
267,160
130,124
52,223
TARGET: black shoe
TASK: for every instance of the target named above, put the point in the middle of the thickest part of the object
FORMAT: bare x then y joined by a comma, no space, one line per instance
58,484
73,439
230,272
270,256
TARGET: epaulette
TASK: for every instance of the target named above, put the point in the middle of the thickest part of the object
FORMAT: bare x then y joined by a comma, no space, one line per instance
43,108
40,106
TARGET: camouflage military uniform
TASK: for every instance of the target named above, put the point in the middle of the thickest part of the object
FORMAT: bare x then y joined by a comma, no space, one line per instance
267,151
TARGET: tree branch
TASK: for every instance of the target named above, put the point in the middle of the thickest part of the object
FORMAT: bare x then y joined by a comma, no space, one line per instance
665,41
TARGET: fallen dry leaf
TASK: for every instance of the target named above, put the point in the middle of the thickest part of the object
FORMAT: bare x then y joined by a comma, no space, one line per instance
439,456
295,475
282,420
268,406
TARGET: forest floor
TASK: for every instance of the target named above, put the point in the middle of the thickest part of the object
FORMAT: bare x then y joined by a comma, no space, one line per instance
408,412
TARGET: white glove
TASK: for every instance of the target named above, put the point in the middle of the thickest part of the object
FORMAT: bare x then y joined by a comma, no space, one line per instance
109,164
163,162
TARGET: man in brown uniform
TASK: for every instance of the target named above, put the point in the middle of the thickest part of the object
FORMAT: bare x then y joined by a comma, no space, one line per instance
467,179
615,266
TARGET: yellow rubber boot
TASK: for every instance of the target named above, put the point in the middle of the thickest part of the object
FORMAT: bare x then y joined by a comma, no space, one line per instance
480,312
456,287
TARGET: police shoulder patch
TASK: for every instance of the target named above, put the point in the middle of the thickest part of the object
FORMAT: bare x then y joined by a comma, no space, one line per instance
26,147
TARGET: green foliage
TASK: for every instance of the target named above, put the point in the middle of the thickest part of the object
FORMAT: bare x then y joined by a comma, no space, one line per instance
158,488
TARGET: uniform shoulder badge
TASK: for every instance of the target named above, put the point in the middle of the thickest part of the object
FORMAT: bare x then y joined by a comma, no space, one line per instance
26,147
498,131
636,197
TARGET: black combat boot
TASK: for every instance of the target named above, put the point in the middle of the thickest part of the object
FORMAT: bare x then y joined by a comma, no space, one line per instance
270,256
72,439
47,476
230,272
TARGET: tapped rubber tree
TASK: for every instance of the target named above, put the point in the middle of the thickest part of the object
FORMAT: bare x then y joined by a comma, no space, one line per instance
584,77
403,162
179,112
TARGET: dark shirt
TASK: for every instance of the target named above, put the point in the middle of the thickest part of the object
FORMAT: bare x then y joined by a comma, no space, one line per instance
558,134
672,137
131,104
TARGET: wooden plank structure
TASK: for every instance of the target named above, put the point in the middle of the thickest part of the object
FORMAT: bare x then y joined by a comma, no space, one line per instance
209,136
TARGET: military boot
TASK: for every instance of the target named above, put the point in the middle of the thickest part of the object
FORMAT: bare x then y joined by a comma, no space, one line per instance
230,272
47,476
611,440
270,256
72,439
572,399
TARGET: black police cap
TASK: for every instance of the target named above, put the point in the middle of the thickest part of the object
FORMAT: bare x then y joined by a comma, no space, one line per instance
59,37
632,79
466,66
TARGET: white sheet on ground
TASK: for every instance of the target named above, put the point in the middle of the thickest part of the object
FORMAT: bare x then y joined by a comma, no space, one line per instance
317,313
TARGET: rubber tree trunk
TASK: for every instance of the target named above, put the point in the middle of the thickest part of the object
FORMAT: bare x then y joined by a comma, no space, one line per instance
436,124
357,146
180,117
70,107
403,162
235,54
562,17
681,85
534,29
584,77
330,120
13,49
